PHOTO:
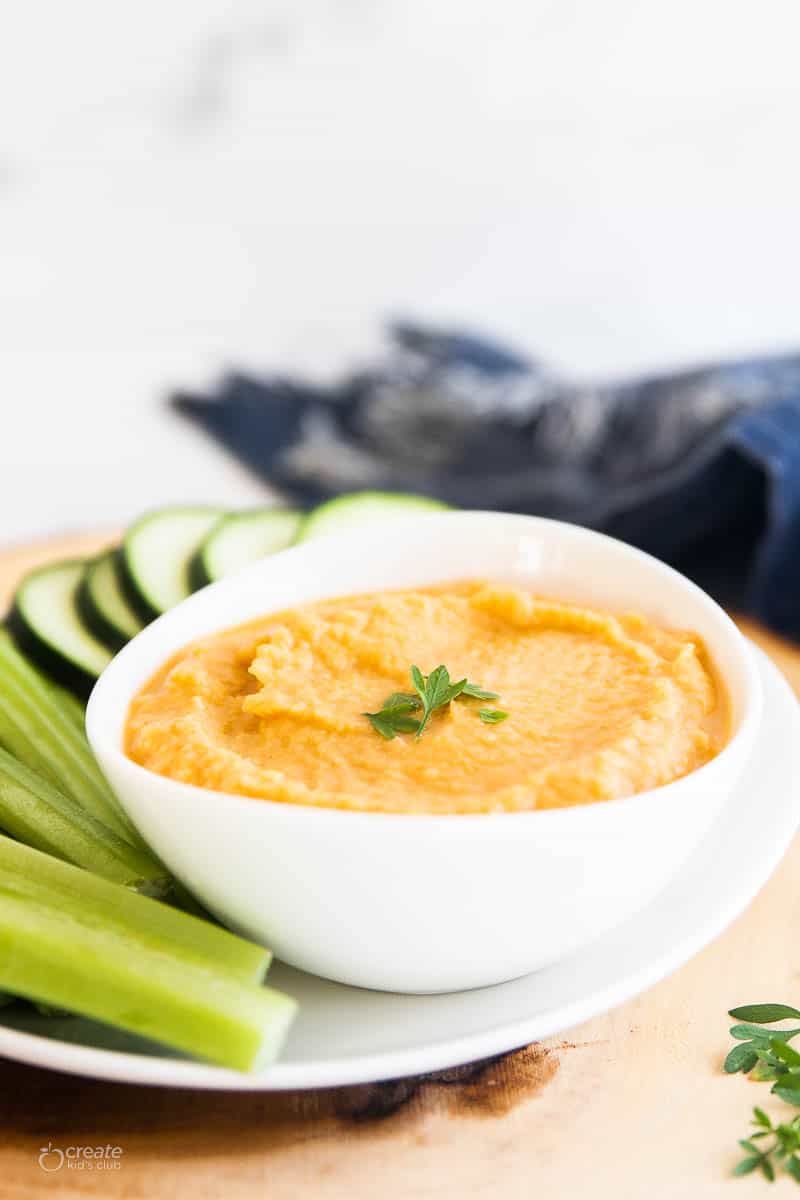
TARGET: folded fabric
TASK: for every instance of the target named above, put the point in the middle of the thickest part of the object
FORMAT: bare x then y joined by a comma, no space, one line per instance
700,467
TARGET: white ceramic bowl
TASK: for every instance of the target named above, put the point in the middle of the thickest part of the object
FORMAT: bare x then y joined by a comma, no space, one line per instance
428,903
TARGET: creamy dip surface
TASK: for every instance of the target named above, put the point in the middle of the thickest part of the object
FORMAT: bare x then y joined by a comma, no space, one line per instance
600,706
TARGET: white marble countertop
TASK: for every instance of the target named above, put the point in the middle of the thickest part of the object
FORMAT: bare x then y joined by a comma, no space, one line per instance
188,186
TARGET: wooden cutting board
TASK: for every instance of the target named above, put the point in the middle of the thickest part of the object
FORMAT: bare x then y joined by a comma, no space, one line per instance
631,1105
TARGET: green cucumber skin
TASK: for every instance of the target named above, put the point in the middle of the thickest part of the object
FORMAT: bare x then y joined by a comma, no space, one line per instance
138,602
96,621
67,674
200,574
141,604
57,640
349,500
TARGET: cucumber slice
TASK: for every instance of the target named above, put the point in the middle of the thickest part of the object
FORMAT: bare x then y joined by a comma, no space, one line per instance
155,555
102,605
45,623
242,538
363,508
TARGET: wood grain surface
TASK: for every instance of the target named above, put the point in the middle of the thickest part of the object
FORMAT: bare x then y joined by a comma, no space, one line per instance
630,1105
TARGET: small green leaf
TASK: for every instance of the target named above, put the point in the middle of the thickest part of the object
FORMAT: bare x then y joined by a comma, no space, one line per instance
791,1095
746,1144
785,1052
437,685
787,1137
404,724
764,1071
793,1167
454,691
747,1165
381,725
761,1118
492,716
745,1033
424,688
763,1014
435,692
471,689
407,701
758,1033
391,721
767,1169
741,1058
789,1081
767,1059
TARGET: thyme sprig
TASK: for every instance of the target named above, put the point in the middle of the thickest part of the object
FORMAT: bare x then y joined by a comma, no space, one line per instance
765,1054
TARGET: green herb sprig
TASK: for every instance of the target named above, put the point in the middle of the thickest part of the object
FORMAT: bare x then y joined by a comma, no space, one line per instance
783,1150
765,1054
431,692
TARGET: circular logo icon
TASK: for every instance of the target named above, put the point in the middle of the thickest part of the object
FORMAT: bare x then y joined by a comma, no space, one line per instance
51,1158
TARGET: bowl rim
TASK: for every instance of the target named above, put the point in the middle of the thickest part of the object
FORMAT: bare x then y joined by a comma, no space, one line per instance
742,737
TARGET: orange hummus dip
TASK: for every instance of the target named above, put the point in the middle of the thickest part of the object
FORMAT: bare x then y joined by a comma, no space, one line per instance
599,706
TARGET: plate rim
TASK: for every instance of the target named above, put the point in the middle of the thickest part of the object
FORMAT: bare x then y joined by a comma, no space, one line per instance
154,1070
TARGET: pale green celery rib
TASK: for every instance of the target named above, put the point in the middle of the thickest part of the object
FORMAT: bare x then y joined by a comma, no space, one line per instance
54,956
37,731
108,907
36,813
69,704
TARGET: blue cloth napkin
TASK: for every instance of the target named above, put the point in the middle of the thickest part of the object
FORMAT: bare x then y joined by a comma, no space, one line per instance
700,467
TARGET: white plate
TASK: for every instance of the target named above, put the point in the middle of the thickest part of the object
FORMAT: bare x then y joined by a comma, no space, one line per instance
348,1035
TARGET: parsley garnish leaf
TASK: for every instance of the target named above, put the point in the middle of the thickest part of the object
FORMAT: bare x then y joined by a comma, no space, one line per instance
405,701
391,721
432,692
492,716
472,689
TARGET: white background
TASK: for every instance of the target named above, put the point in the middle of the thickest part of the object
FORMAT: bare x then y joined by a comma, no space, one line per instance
184,186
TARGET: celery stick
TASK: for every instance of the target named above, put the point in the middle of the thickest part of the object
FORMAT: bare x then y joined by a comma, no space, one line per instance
37,731
41,878
69,704
36,813
46,733
59,957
